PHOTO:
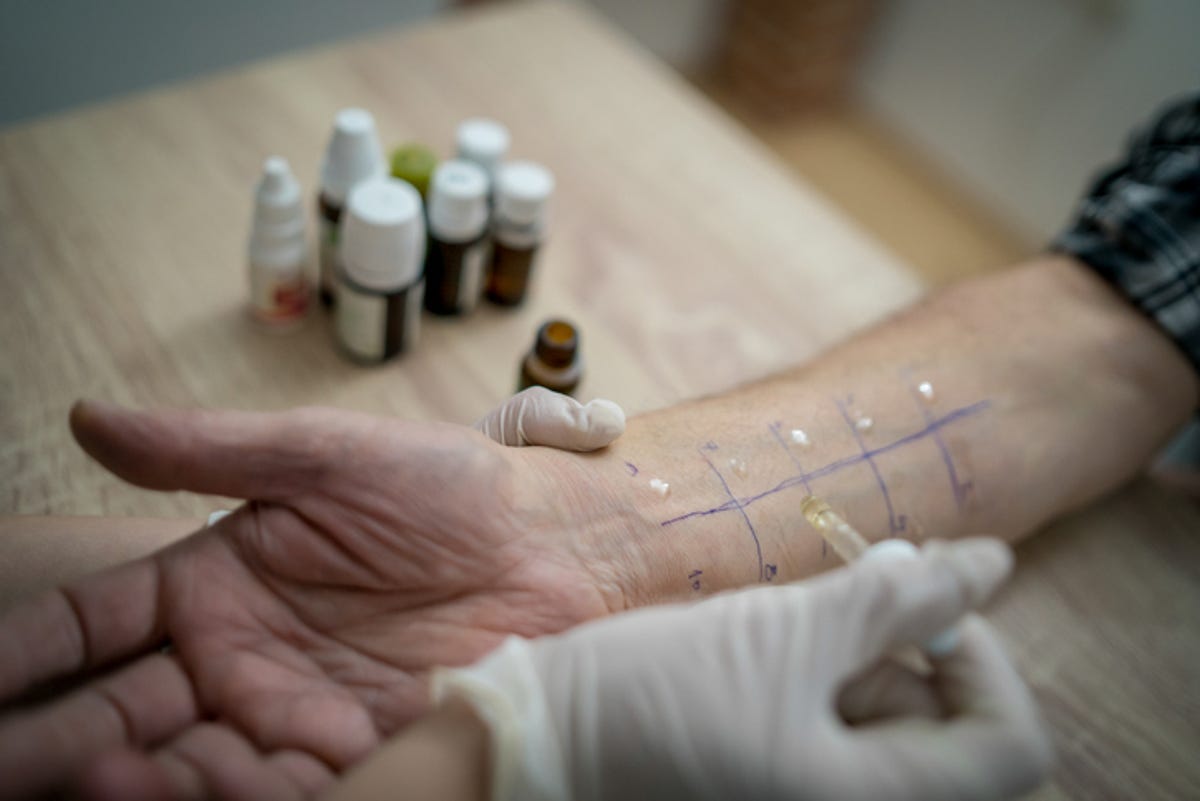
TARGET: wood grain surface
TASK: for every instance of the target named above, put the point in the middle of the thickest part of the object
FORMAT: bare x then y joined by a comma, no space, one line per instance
680,248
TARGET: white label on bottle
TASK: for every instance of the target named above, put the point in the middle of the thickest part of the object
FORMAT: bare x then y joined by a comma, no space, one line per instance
327,236
361,320
472,274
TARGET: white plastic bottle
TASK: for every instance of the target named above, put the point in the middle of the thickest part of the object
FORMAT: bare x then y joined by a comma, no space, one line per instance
484,142
380,283
279,290
352,156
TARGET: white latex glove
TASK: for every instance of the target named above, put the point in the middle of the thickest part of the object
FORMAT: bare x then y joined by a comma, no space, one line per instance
776,692
538,416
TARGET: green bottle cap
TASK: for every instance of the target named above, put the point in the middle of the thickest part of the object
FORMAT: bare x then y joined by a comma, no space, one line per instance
414,163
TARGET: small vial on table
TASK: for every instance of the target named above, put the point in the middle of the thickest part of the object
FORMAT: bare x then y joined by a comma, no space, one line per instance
458,242
279,290
555,361
380,285
414,163
483,142
523,190
352,156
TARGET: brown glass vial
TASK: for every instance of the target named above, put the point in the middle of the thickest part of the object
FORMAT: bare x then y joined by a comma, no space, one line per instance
458,242
522,192
555,361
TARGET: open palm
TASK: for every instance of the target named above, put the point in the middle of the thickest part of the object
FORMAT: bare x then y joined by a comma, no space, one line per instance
301,627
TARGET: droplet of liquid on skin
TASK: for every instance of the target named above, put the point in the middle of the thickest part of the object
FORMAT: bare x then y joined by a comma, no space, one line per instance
926,390
864,423
800,438
738,466
659,486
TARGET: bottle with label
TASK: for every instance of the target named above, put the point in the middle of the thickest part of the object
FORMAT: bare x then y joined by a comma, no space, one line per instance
555,361
458,241
484,142
379,286
353,155
523,190
279,288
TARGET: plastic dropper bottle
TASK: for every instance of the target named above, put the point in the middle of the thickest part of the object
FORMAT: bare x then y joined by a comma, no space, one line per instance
353,156
380,284
523,190
279,290
458,241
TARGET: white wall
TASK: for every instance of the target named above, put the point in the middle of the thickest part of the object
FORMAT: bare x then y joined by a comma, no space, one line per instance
1021,100
59,53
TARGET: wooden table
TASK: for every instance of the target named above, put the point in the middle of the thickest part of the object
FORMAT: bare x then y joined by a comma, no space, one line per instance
678,245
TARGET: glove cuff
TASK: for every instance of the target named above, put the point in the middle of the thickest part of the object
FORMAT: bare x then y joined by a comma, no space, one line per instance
506,691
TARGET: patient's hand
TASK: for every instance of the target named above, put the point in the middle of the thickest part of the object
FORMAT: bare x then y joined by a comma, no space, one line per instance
303,625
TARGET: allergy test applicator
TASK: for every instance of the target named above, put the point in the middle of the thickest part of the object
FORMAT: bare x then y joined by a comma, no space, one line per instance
852,546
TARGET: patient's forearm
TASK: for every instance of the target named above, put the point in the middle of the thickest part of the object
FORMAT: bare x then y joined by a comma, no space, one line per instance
988,408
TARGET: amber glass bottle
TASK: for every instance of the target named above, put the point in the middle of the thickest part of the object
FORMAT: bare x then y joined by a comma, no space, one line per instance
458,244
522,192
554,361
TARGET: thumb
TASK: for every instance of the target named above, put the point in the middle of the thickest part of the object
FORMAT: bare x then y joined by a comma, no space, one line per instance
538,416
251,455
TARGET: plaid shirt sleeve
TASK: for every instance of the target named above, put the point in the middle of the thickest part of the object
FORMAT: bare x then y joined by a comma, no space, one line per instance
1139,225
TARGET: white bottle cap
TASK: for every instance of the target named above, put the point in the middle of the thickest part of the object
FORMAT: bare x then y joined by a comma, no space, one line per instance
277,234
383,234
458,203
353,155
483,141
277,198
522,189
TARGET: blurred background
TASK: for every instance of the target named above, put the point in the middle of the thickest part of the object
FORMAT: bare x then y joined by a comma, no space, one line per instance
958,132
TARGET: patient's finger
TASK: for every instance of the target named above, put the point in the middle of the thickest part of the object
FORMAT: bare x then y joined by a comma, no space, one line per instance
209,760
82,625
251,455
140,706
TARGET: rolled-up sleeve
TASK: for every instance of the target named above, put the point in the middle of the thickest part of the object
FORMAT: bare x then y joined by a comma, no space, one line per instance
1139,224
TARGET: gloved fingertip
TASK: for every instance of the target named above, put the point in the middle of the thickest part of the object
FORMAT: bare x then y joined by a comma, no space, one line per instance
606,419
980,563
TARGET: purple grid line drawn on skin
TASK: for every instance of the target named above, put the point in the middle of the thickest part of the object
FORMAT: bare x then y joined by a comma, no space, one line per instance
959,488
632,468
837,465
710,446
775,432
894,526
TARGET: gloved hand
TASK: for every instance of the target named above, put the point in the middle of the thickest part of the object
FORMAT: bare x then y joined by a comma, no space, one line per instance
779,692
538,416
